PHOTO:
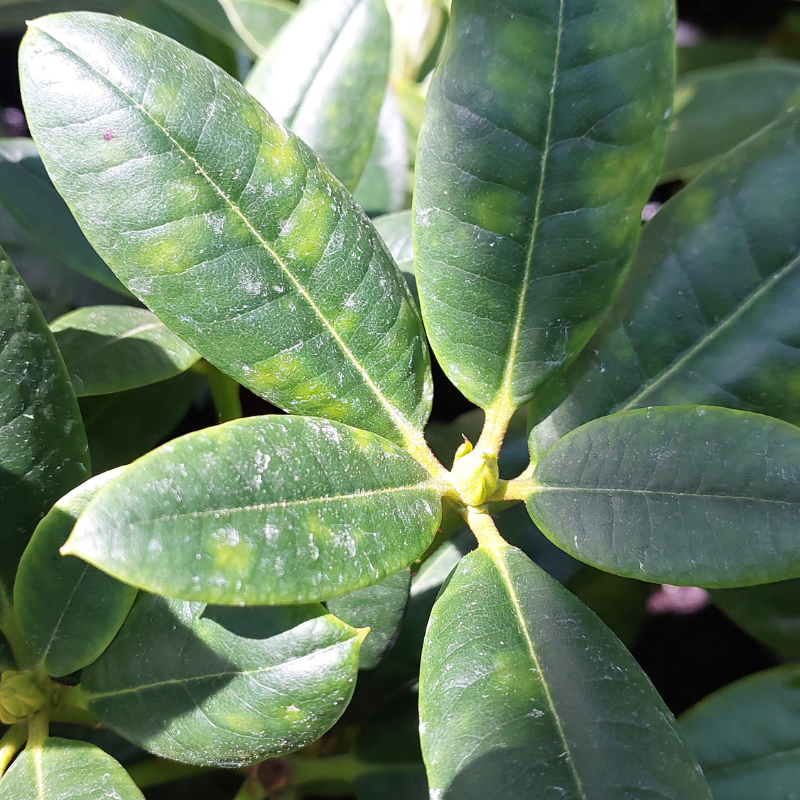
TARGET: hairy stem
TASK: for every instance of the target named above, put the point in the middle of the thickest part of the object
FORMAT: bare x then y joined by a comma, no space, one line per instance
70,704
482,525
495,427
10,744
38,729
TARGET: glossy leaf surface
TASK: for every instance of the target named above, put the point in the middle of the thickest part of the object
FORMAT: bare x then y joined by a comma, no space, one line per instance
715,109
211,17
383,185
68,611
769,613
28,195
543,136
378,607
307,309
524,693
63,769
123,426
224,686
687,495
43,450
324,77
262,510
258,21
708,313
115,348
747,736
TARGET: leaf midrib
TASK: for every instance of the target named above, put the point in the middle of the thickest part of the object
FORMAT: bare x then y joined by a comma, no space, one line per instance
504,396
543,489
497,556
709,337
731,770
362,495
407,431
213,676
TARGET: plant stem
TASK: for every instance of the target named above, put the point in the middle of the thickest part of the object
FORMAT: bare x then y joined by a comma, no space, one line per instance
10,628
519,489
482,525
38,729
71,704
345,768
10,744
224,392
251,790
495,427
157,771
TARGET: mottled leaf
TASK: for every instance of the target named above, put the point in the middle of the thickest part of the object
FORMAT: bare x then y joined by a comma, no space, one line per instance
43,450
68,611
63,769
543,137
708,313
262,510
378,607
27,194
384,183
769,613
123,426
747,737
687,495
184,185
524,693
111,349
717,108
224,686
324,77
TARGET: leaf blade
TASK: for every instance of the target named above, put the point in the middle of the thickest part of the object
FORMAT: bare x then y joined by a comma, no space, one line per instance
506,175
295,665
61,769
525,661
43,449
324,77
111,349
706,313
68,611
689,495
269,510
277,254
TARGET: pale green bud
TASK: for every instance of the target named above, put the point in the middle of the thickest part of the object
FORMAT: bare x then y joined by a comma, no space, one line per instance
475,474
20,697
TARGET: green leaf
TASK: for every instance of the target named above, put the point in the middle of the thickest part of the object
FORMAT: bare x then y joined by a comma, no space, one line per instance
14,14
747,736
115,348
210,16
378,607
717,108
382,188
224,686
63,769
687,495
544,133
163,18
123,426
308,308
262,510
524,693
324,77
43,450
396,232
258,21
68,611
28,195
769,613
708,312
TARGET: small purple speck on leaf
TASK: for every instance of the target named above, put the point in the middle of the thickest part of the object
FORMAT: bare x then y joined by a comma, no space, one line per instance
108,135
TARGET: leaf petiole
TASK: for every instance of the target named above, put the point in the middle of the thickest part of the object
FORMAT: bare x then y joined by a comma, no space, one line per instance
10,744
